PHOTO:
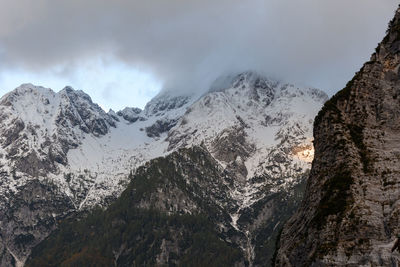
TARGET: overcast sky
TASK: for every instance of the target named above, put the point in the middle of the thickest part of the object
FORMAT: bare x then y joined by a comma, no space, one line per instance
122,52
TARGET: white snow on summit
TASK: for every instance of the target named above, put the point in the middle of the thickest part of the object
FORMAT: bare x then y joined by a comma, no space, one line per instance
93,152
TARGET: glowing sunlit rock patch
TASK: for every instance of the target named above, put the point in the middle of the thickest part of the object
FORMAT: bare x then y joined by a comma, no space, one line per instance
304,153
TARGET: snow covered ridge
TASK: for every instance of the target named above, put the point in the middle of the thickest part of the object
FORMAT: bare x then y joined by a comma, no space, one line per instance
66,138
60,152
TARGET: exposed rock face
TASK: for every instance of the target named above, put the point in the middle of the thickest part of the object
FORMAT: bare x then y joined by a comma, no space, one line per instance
160,127
130,114
36,205
350,214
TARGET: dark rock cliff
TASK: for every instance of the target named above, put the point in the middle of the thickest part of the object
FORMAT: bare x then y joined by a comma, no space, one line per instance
350,214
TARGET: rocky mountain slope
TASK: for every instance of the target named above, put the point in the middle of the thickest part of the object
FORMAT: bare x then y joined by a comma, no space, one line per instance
167,213
61,154
176,211
350,214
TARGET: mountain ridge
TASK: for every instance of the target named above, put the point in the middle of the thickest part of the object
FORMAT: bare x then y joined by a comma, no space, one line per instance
92,153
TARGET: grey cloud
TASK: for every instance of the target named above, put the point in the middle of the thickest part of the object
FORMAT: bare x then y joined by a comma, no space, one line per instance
187,44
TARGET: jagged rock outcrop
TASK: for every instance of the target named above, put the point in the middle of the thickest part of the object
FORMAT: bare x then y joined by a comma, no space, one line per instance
160,127
350,214
129,114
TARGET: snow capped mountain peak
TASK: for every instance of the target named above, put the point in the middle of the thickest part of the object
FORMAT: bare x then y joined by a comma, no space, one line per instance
243,79
39,125
30,103
257,129
70,133
166,102
24,92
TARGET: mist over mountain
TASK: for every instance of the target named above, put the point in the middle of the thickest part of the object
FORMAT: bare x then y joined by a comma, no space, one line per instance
187,45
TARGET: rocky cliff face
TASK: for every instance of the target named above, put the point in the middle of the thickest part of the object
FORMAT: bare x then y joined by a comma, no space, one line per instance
350,214
258,131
